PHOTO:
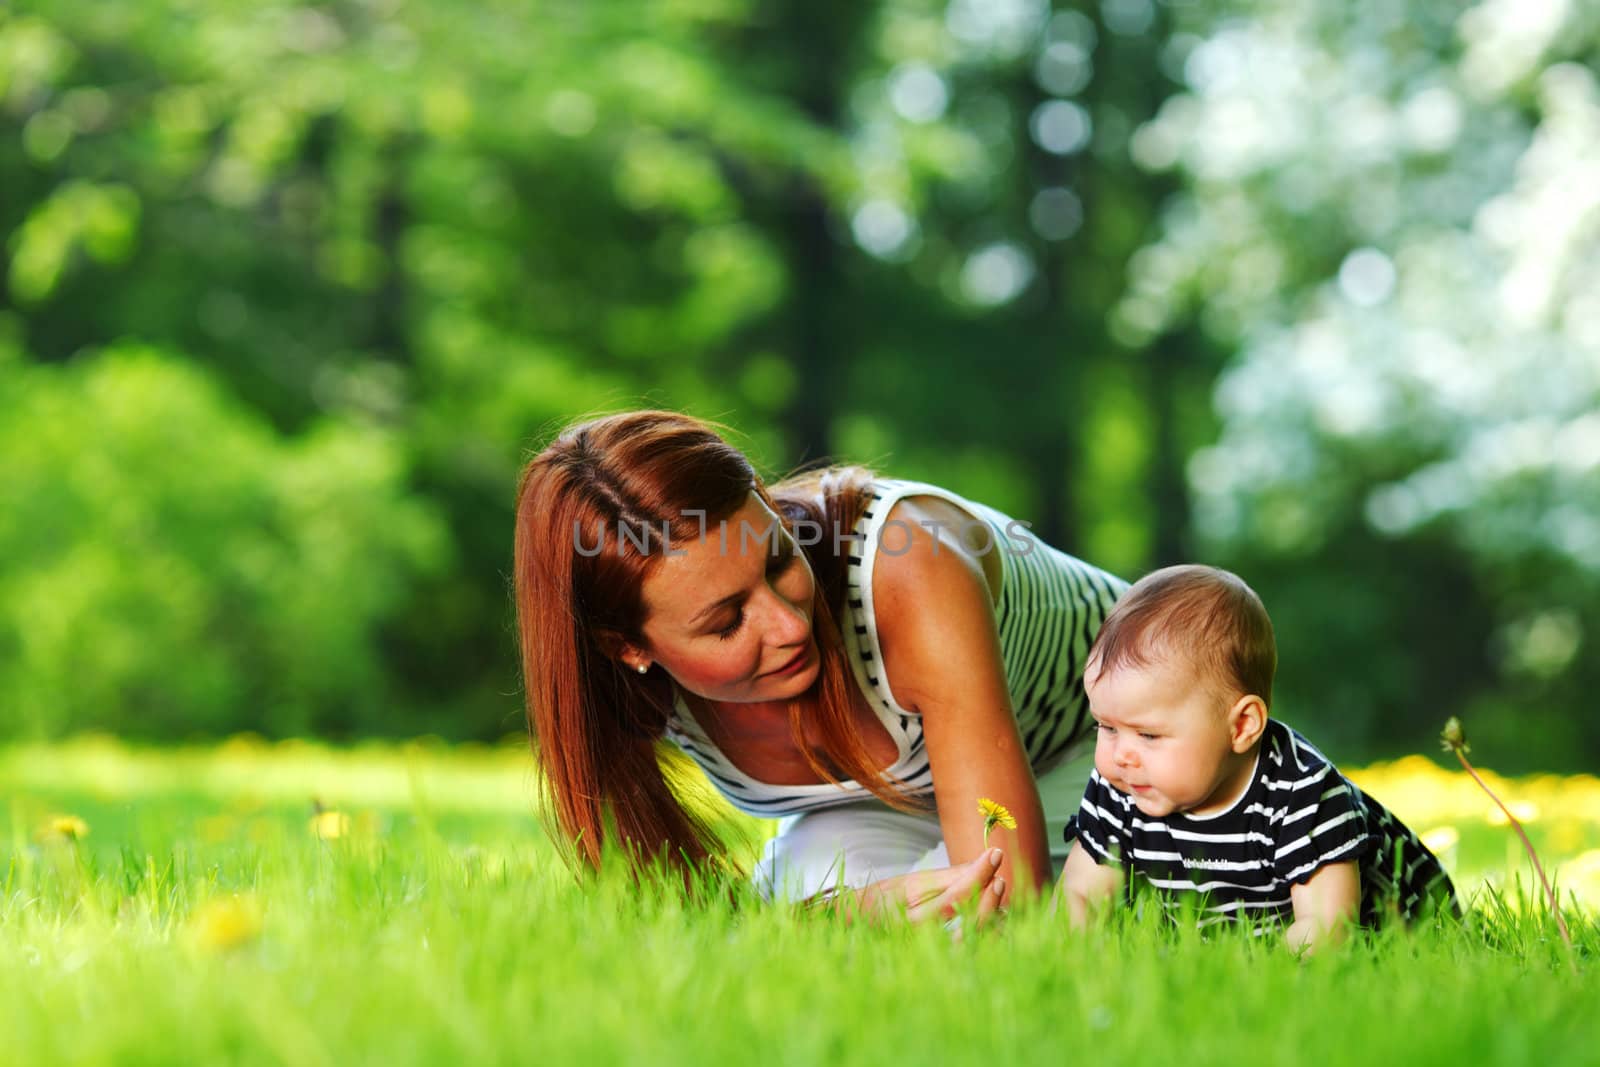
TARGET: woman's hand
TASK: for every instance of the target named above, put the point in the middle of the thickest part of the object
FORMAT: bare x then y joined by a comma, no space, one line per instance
923,895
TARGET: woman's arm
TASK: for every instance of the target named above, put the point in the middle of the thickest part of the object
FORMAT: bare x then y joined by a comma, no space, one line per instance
941,653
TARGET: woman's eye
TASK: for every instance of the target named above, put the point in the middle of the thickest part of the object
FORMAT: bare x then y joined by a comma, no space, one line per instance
733,627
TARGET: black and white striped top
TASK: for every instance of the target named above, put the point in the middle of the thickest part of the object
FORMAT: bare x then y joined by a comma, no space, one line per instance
1050,607
1298,815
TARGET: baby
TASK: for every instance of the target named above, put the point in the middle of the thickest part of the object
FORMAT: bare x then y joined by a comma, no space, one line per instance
1208,800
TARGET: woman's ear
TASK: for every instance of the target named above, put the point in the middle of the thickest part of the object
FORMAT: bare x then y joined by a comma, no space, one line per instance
619,648
1246,721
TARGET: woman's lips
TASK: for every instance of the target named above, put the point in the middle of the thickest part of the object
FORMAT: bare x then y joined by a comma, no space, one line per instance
795,664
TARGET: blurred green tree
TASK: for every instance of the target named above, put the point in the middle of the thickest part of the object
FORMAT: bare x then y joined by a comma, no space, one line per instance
1006,246
173,566
1392,210
451,230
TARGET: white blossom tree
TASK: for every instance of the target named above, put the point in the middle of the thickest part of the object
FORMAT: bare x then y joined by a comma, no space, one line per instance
1392,214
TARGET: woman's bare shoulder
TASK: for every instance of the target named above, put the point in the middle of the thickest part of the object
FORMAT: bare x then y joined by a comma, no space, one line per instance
933,603
926,540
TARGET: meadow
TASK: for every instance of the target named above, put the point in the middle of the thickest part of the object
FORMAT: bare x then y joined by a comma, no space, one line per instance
292,903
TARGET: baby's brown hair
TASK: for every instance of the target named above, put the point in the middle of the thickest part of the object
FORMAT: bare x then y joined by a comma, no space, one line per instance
1207,616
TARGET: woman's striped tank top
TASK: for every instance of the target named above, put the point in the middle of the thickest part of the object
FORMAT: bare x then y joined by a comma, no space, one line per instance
1050,607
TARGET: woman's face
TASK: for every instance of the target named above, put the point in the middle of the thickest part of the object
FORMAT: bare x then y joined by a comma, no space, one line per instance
728,616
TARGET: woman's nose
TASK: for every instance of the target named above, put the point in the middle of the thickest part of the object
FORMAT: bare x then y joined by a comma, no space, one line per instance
789,623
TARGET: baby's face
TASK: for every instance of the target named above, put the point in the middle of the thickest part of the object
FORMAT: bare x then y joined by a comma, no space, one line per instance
1163,739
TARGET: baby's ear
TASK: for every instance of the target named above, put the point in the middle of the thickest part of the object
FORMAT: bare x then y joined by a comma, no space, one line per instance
1246,720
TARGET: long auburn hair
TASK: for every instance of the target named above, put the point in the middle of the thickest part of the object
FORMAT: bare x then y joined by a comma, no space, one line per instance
594,723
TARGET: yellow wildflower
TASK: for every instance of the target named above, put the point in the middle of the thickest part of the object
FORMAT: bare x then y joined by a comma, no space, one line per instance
62,828
994,814
1581,876
225,923
330,825
1525,810
1441,839
214,828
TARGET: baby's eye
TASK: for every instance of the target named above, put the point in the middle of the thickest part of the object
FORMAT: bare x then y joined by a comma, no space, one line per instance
1103,728
1148,737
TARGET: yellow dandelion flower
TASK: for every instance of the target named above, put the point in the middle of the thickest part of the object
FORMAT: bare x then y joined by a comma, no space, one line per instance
994,814
330,825
1441,839
62,828
1526,811
1580,876
216,828
225,923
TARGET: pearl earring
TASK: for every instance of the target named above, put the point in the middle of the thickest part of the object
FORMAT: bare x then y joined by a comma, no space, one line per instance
641,668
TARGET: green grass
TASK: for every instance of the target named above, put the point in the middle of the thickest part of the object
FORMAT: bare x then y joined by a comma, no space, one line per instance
200,921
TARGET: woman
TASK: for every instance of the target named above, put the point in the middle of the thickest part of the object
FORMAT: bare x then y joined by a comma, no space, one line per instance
863,657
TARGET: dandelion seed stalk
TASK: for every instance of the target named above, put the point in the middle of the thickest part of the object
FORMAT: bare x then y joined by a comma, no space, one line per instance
1454,738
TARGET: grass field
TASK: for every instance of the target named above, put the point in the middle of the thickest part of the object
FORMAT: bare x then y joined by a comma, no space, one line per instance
188,906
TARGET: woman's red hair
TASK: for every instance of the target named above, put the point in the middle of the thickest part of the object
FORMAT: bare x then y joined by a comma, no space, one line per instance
595,723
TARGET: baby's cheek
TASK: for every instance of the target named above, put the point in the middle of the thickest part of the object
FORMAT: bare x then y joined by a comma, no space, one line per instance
1102,757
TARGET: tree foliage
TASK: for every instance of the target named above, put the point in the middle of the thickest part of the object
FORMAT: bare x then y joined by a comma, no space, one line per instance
173,566
289,289
1392,212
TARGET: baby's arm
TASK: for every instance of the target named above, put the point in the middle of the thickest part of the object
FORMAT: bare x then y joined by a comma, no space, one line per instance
1325,906
1087,884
